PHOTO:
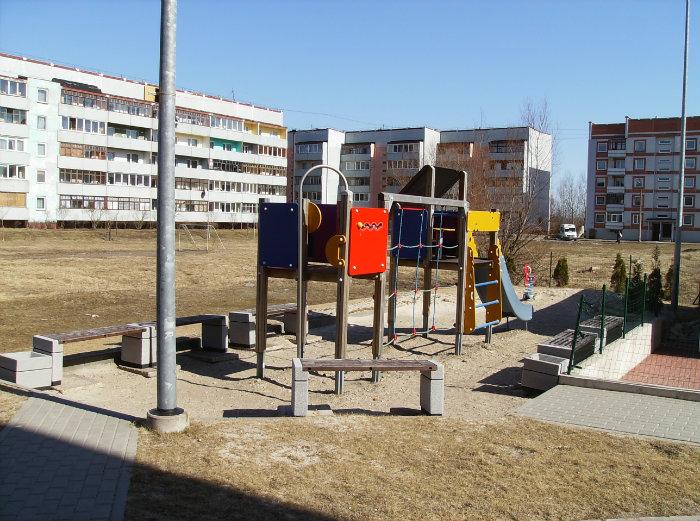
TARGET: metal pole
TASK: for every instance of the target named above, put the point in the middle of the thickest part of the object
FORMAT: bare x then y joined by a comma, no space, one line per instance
167,416
679,214
641,212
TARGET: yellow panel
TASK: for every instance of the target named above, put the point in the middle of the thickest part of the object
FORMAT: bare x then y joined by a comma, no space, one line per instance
149,92
469,304
334,252
480,221
13,199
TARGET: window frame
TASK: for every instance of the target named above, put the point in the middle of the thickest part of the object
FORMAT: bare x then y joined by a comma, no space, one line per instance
643,143
41,208
603,162
601,146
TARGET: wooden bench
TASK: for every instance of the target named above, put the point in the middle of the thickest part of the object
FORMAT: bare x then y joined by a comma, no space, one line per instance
432,379
612,328
139,348
52,343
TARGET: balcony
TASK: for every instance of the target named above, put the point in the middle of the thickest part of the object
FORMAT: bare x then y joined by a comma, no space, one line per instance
14,102
14,129
616,153
85,138
81,163
610,225
615,207
185,150
125,143
14,185
616,170
130,120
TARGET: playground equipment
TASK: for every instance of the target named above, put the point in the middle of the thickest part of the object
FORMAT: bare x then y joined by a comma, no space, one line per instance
429,231
324,243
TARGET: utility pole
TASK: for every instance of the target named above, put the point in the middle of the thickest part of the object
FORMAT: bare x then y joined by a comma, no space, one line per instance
641,212
167,416
681,180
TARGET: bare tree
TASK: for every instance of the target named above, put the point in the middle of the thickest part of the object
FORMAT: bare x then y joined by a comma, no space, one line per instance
569,202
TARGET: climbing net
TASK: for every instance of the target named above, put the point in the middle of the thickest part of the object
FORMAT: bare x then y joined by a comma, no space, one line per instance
439,248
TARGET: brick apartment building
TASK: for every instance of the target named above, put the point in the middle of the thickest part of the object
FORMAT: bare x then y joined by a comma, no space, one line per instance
633,179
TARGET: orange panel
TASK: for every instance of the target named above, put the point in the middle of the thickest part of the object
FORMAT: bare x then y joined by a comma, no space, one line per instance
369,233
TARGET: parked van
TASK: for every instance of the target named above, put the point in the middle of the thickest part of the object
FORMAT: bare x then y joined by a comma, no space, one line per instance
567,232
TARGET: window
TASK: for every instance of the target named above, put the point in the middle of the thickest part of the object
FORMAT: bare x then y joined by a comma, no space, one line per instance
602,146
131,107
41,122
42,95
83,125
12,171
618,163
600,182
41,176
83,99
599,199
689,200
639,163
41,149
226,166
662,201
691,144
690,163
614,217
403,147
40,203
16,116
689,182
664,165
636,201
638,182
132,158
226,123
688,219
11,143
85,151
664,145
601,164
191,117
617,144
308,148
600,217
635,218
640,145
663,182
191,142
13,88
360,197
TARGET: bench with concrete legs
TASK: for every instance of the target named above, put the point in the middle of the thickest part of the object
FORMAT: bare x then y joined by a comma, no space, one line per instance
432,379
242,323
139,348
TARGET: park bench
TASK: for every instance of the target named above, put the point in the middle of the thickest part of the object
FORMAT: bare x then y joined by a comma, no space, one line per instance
612,328
139,347
432,378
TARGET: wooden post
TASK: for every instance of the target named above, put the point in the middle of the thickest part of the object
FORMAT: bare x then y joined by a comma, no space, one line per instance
551,258
378,321
428,258
393,282
343,293
261,308
302,284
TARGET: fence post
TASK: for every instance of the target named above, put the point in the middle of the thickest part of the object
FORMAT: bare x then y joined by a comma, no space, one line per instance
630,271
644,298
602,321
573,342
624,314
551,257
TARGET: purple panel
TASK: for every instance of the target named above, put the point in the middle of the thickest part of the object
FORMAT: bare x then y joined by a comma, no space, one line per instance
328,228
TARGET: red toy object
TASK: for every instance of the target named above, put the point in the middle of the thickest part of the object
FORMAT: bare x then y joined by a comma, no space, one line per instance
369,233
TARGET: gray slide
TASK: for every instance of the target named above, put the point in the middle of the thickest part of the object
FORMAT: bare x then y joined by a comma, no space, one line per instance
512,306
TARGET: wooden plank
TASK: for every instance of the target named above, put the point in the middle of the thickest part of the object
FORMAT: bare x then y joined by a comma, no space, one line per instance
366,365
94,333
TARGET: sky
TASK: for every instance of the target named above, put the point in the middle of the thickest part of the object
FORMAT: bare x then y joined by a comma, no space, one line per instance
365,64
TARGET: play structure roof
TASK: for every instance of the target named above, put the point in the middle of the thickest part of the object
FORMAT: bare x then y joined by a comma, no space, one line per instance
445,179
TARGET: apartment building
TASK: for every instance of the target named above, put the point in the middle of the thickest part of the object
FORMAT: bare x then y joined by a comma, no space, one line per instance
79,146
520,160
633,179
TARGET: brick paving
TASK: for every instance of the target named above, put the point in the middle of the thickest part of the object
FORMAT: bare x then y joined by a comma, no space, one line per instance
631,413
671,368
65,461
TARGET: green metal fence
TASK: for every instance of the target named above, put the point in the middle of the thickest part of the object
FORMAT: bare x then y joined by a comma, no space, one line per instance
635,304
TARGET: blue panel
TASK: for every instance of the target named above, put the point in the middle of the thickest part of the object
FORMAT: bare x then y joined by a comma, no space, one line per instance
278,236
410,228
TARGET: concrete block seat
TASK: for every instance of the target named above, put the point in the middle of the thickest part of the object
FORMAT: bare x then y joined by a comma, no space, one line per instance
560,344
242,323
26,368
139,347
432,379
541,371
612,329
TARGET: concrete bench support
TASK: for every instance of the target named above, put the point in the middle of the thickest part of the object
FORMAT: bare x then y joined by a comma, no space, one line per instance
300,389
215,333
241,329
53,348
289,319
432,391
139,348
26,368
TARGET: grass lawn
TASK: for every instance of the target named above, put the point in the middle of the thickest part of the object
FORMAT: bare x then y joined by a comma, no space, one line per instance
363,467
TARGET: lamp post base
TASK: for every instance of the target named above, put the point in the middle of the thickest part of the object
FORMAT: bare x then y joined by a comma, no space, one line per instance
175,420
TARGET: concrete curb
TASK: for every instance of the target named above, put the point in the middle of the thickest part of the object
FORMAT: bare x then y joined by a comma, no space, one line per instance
630,387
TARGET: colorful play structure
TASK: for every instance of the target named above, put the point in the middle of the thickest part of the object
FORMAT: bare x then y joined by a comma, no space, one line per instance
421,227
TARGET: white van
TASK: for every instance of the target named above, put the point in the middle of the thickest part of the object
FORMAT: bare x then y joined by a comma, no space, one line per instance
567,232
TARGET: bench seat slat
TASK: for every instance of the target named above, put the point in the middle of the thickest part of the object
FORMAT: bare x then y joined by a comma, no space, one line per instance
97,332
366,365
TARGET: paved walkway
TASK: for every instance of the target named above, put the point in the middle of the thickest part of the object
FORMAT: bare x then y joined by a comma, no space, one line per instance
62,460
616,411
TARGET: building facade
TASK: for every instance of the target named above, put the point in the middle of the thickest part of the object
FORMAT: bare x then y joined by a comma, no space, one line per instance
81,147
634,176
519,161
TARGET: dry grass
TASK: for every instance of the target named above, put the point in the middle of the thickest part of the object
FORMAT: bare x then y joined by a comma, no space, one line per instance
359,467
11,400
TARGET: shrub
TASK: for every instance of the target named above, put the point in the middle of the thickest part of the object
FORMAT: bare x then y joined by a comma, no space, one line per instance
637,274
619,275
668,283
656,258
655,291
561,272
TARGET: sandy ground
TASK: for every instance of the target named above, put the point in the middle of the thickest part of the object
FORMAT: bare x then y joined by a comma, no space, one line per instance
481,384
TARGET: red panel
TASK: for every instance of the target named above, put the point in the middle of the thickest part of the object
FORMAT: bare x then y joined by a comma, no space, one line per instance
368,241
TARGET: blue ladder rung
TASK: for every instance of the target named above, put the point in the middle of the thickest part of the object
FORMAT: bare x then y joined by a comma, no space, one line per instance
486,324
489,303
487,283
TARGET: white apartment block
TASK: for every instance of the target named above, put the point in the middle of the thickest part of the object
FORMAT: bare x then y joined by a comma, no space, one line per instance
81,147
383,160
634,179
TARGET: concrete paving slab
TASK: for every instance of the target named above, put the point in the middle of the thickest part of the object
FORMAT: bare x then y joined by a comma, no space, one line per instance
655,416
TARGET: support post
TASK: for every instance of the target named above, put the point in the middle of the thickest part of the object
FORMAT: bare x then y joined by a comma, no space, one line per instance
644,297
167,416
378,321
551,258
428,258
393,282
261,308
488,334
602,320
343,293
302,285
461,268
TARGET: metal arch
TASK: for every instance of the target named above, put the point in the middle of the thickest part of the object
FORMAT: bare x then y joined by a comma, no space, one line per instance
301,309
